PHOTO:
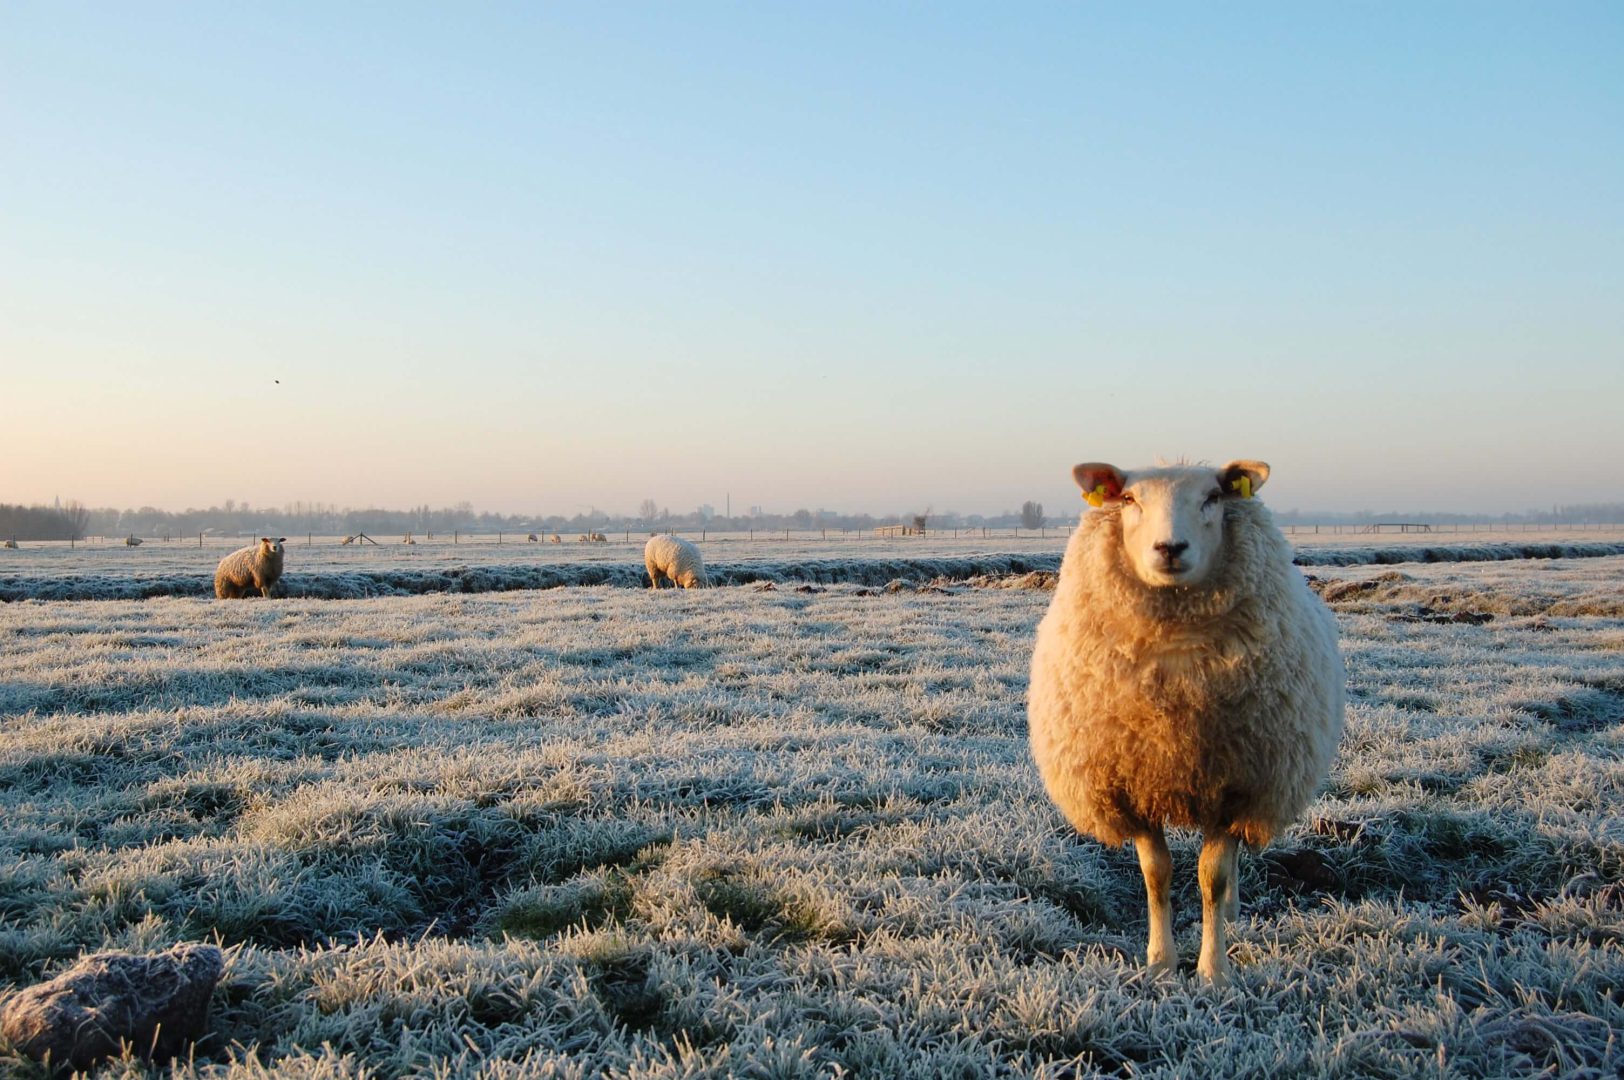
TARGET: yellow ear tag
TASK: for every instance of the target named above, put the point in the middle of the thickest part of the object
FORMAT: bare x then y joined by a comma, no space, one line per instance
1096,497
1243,485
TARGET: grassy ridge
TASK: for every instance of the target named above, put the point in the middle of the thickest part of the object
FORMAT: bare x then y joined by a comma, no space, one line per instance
776,833
128,582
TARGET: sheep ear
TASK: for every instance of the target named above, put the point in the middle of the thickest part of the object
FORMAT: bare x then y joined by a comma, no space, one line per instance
281,539
265,539
1098,480
1242,478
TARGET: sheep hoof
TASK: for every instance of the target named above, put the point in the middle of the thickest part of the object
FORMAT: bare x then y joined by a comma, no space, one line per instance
1215,975
1157,966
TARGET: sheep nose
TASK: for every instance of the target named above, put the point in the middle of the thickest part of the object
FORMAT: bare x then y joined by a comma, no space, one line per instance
1172,549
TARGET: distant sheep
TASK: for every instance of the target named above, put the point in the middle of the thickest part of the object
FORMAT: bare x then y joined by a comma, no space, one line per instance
407,539
132,541
554,538
531,538
1184,675
11,544
676,559
255,567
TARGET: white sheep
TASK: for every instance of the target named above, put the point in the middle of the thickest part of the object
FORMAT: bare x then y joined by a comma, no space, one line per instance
255,567
132,541
667,556
1184,675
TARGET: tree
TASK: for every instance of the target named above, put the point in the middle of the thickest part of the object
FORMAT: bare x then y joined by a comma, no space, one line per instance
1031,515
75,517
648,509
920,519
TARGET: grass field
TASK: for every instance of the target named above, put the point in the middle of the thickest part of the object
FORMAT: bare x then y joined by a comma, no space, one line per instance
324,569
769,832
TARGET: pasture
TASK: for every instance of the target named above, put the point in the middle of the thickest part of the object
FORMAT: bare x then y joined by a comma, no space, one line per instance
768,832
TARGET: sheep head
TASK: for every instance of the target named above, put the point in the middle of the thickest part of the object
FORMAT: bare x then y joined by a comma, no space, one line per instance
272,544
1173,517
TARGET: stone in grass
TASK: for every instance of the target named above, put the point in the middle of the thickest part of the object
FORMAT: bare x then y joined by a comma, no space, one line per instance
153,1004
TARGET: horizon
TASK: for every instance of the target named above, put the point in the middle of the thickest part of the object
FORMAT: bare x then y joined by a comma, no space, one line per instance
573,256
305,508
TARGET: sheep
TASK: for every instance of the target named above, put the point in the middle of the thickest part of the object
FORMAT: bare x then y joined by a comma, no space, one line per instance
11,543
667,556
554,538
1184,675
132,541
531,539
257,566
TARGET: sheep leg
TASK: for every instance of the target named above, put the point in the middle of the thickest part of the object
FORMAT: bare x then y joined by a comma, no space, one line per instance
1156,863
1232,890
1217,882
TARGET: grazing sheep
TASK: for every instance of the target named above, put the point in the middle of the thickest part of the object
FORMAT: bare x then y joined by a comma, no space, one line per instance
1184,675
531,538
679,560
11,543
132,541
257,566
407,539
554,538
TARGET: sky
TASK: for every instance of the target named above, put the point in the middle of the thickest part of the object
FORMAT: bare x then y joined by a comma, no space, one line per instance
864,257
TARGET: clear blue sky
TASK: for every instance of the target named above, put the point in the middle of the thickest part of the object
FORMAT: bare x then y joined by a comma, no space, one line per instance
860,257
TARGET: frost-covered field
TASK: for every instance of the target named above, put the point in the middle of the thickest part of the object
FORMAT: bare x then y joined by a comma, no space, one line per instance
779,833
323,569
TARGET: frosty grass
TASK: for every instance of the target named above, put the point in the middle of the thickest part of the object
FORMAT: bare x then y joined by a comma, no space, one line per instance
762,832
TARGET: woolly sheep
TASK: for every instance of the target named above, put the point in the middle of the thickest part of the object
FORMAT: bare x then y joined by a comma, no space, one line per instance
132,541
554,538
667,556
255,567
11,543
1184,675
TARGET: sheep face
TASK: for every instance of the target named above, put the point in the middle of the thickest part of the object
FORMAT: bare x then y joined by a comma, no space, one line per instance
1172,518
272,544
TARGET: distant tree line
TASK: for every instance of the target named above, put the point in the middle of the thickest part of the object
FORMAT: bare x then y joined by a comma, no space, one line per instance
73,521
43,522
234,518
1576,514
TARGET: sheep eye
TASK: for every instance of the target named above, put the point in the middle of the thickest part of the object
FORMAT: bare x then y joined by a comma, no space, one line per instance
1213,497
1127,499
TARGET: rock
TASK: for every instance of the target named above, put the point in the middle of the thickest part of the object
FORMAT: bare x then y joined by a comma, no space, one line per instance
155,1004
